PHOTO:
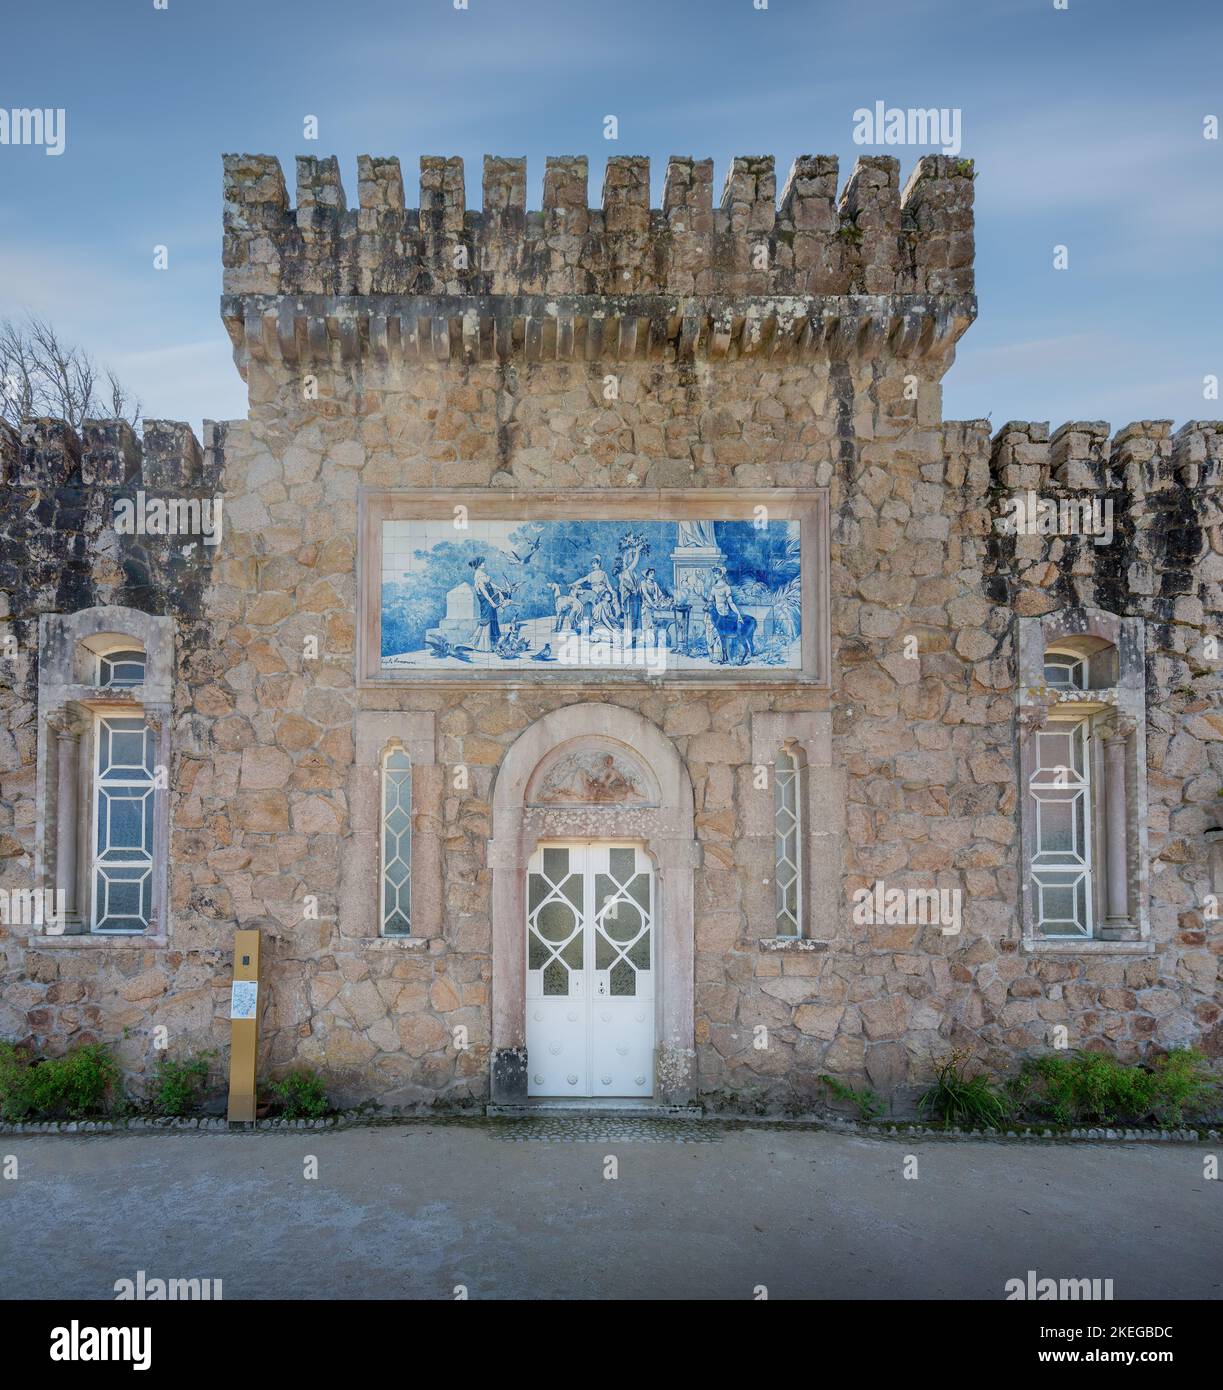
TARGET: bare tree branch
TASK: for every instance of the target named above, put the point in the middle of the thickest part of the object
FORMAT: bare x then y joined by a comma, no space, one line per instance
42,375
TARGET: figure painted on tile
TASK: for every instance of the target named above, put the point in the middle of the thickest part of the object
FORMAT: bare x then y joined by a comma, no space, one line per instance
492,597
605,608
595,588
697,533
569,610
733,631
653,599
629,581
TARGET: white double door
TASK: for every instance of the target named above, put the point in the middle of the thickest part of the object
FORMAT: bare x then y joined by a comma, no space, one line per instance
590,970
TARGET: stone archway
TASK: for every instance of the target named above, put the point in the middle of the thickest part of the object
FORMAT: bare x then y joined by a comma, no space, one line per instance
658,814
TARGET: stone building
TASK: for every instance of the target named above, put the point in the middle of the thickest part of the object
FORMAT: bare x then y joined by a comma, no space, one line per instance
599,670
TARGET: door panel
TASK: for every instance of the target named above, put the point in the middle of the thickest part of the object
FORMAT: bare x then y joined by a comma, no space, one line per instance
590,971
556,972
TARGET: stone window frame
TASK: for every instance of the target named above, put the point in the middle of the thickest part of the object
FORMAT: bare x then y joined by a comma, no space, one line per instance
360,914
1113,703
69,703
808,506
807,734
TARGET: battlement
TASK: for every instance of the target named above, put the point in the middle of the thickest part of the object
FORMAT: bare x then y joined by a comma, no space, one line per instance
50,453
1144,457
875,239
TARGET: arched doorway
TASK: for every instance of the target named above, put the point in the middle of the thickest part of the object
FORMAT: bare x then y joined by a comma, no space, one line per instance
593,776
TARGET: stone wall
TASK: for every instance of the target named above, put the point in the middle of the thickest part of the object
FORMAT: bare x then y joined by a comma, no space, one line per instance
924,742
60,552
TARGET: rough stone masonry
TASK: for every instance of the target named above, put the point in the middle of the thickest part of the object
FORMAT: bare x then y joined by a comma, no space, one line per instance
756,348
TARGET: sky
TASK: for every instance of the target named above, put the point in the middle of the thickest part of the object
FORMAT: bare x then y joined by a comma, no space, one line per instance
1085,118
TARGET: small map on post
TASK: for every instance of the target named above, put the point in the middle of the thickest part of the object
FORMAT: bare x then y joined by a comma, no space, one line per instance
243,998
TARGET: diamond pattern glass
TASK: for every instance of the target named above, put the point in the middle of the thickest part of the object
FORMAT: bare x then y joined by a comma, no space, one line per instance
396,843
787,824
554,922
622,922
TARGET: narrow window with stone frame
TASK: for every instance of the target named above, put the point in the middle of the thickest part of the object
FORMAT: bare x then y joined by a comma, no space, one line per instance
103,760
788,830
396,841
1080,713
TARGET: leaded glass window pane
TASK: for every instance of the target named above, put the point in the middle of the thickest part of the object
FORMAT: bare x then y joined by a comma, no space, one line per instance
119,669
122,872
1060,788
396,843
787,823
1065,672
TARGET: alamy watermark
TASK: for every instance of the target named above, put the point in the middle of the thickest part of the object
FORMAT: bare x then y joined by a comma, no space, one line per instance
170,516
911,125
142,1289
922,907
77,1343
1030,515
1070,1290
646,648
45,908
36,125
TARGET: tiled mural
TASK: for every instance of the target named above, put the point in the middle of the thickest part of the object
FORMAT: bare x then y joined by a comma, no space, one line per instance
679,595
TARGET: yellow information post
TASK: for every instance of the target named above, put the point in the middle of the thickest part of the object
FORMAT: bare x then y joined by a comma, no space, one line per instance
243,1027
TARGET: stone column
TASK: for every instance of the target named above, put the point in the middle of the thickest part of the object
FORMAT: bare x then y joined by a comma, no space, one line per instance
1115,736
68,732
508,852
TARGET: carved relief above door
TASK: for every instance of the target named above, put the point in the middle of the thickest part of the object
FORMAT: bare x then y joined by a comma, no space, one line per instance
594,775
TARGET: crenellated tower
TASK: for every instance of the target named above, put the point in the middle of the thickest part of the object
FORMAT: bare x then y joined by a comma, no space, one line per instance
877,269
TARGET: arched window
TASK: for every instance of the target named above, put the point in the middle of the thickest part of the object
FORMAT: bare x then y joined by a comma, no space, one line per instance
1065,670
396,834
1081,717
788,835
105,689
121,668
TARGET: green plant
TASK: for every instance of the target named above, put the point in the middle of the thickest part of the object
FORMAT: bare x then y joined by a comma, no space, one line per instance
959,1099
301,1094
965,167
868,1105
88,1075
82,1082
179,1086
14,1082
1093,1086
